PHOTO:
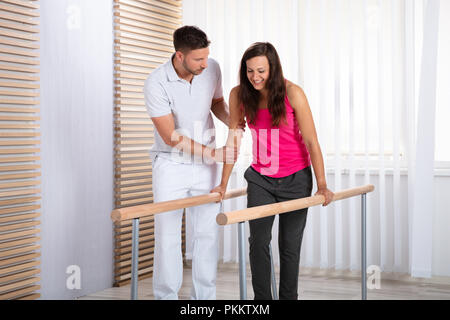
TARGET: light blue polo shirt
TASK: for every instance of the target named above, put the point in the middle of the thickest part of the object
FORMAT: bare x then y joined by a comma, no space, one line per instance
190,103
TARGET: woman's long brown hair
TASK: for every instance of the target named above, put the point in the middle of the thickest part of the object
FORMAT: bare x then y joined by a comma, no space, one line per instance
276,85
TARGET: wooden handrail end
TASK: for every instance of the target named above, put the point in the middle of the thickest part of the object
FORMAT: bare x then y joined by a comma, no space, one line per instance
115,215
222,219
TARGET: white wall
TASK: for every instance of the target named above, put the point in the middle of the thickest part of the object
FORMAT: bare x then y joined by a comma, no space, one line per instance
77,145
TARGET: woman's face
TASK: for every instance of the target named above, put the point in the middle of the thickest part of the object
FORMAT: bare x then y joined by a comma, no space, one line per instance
258,71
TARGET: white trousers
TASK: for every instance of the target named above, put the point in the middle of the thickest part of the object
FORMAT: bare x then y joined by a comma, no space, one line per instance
172,181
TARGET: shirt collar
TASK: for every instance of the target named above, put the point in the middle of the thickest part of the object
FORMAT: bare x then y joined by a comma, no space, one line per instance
170,70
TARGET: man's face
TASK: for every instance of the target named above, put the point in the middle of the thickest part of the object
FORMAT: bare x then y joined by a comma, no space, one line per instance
195,61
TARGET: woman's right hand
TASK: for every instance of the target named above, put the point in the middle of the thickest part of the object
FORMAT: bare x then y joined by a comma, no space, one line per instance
220,189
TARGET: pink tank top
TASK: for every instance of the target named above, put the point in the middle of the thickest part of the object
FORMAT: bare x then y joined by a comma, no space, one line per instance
278,151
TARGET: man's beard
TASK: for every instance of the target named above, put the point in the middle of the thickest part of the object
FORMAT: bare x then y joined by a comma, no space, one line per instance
194,72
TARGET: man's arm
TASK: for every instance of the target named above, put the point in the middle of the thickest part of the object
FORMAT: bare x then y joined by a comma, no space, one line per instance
166,129
220,109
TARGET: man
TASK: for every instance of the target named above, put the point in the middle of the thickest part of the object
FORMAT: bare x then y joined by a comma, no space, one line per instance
180,96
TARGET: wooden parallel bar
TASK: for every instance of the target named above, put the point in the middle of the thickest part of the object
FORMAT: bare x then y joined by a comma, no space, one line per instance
155,208
119,225
286,206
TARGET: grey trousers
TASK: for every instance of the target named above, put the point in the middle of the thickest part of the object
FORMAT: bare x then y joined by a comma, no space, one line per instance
263,190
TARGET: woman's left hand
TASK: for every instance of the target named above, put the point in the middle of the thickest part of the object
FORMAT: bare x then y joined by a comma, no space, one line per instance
327,193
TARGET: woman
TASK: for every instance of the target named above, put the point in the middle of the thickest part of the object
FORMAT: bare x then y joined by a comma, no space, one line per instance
284,146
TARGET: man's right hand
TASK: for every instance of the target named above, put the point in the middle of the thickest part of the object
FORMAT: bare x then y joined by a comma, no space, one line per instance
226,154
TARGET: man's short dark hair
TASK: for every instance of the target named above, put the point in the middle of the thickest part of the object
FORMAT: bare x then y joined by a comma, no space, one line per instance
189,38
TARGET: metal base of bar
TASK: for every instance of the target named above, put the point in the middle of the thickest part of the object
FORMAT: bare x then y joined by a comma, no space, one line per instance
363,249
242,264
134,260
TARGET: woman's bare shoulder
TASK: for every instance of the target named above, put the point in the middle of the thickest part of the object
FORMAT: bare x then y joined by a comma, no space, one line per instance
294,91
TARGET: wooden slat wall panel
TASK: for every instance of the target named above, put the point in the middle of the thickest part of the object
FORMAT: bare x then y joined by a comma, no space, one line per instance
19,150
143,41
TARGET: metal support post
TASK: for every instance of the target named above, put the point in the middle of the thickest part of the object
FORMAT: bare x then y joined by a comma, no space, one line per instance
363,248
135,260
242,264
